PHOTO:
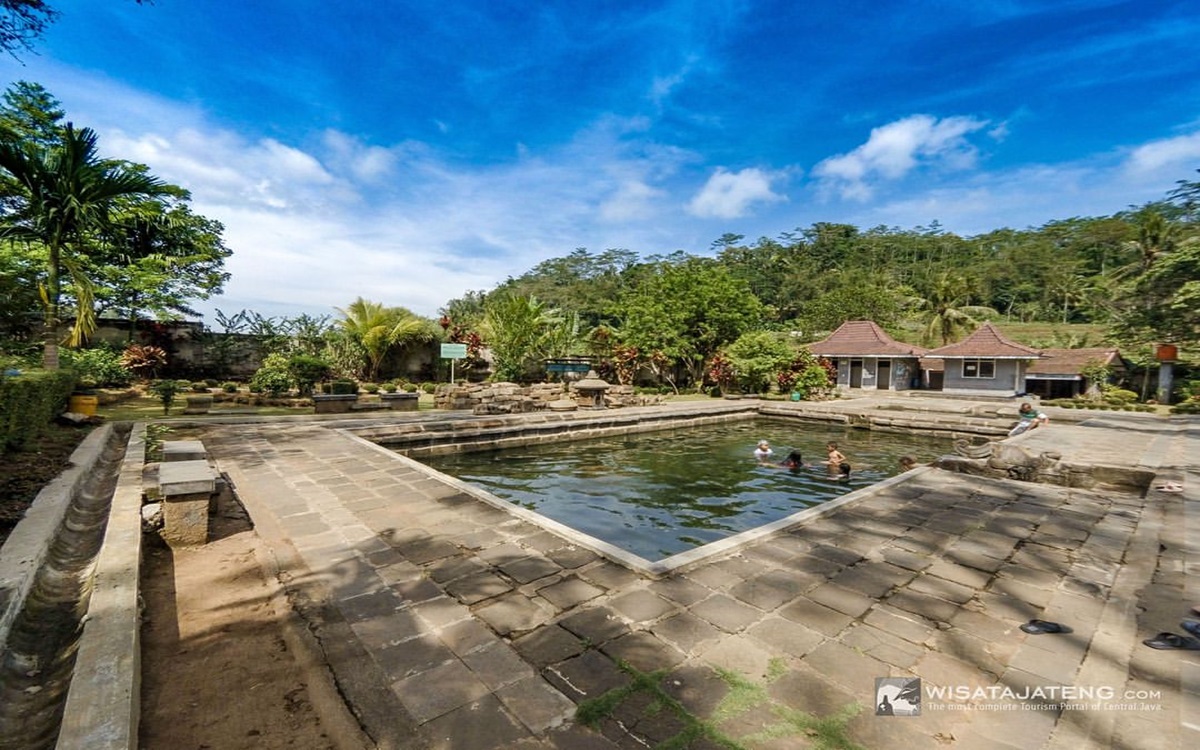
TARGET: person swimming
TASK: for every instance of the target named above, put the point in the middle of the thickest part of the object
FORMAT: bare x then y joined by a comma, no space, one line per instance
793,461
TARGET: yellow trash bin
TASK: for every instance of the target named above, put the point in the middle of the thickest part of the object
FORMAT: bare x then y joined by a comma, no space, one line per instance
80,404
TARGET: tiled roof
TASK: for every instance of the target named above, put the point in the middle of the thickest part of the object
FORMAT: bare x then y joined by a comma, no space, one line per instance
1071,361
863,338
986,341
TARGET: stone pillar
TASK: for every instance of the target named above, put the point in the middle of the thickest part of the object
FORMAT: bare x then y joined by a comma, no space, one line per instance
187,488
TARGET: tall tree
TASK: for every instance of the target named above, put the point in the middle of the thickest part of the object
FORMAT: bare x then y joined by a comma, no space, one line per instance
22,21
66,194
156,257
518,330
684,309
946,311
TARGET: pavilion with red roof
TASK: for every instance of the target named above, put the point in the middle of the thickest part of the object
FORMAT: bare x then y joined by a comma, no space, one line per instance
867,357
984,363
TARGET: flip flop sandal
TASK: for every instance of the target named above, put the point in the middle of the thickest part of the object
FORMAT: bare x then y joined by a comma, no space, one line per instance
1173,641
1038,627
1191,626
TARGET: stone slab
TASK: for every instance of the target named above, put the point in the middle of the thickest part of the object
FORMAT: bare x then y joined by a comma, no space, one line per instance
186,478
183,450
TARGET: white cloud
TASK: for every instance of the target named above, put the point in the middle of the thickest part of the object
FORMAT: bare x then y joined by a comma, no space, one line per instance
895,149
1180,153
729,195
631,201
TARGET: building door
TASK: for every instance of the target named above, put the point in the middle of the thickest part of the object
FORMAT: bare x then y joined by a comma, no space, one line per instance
856,373
883,374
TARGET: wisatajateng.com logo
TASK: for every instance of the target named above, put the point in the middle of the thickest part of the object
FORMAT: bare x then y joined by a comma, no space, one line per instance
904,696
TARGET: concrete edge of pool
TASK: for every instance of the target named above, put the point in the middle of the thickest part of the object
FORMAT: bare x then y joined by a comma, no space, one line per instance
652,568
401,442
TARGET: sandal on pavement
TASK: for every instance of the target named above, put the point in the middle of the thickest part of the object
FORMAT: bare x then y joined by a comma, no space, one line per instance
1038,627
1191,626
1173,641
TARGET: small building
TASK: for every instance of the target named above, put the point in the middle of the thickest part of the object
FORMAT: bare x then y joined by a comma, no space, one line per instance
1059,373
986,363
867,357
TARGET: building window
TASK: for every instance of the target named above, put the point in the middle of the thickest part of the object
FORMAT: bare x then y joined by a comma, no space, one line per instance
979,368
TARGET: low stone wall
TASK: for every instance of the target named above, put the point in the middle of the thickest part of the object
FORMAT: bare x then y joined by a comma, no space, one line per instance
511,398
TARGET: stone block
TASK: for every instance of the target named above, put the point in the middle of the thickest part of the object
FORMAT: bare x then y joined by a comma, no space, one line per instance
185,519
186,478
183,450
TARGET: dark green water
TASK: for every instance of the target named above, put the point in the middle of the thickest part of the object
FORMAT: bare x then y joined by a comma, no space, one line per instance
659,493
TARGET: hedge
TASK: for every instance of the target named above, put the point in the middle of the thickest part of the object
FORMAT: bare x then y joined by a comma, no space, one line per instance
29,403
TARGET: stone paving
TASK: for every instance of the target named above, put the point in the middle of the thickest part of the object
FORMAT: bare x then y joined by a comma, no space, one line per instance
451,624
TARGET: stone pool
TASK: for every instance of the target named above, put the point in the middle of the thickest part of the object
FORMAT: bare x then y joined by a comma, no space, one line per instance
662,493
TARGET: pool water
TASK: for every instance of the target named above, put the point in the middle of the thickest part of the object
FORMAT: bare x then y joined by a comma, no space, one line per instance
656,494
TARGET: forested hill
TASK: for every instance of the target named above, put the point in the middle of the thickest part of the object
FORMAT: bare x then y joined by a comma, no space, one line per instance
1132,278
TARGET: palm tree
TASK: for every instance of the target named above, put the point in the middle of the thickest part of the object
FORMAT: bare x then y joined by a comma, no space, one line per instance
65,194
515,328
945,312
1157,236
381,329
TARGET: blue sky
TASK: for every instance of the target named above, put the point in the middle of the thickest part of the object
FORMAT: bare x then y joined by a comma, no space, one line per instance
410,151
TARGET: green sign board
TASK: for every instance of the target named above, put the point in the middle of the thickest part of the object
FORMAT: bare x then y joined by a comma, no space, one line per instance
454,351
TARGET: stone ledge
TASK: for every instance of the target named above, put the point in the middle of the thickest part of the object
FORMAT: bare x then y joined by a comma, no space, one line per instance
104,701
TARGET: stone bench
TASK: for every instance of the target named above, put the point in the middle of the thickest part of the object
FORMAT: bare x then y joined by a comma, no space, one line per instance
187,486
368,406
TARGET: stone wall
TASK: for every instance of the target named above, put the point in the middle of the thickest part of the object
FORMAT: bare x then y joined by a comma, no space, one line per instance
511,398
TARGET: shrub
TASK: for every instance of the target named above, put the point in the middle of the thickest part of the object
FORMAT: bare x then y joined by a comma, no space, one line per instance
166,391
142,360
389,388
1119,396
371,387
200,386
273,377
343,387
306,371
29,402
1187,407
98,367
229,386
211,382
426,387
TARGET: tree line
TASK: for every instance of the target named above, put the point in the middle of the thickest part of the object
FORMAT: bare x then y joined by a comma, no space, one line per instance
1135,275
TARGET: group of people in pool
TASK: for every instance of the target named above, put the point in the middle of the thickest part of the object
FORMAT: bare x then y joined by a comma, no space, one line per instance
835,461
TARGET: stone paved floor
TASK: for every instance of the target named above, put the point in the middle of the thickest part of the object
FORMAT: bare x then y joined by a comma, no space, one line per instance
451,624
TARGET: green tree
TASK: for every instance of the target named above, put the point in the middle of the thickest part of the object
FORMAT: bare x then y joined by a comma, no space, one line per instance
757,358
685,309
380,330
945,311
515,328
66,194
156,258
22,21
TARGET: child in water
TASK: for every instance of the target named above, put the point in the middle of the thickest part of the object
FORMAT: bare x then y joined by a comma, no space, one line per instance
763,451
835,457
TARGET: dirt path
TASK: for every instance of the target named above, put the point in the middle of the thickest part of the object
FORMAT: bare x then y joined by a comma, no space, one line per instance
225,665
